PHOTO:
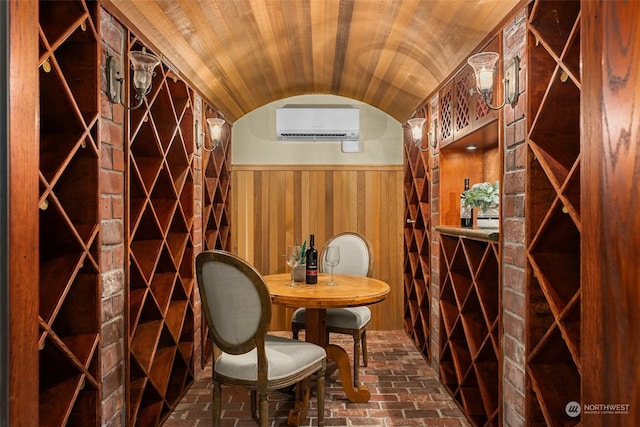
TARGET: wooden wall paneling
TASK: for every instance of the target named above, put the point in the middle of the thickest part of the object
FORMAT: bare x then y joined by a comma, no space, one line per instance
22,219
275,205
610,206
242,212
492,165
455,165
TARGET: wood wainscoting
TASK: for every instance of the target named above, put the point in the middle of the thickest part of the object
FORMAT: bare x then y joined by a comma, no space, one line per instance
272,206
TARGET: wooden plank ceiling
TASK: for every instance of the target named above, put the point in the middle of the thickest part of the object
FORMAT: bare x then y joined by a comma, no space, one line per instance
242,54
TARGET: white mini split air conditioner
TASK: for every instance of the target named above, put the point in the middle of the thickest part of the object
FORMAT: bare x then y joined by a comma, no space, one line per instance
319,123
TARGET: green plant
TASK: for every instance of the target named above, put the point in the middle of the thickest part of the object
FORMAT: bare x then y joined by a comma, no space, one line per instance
303,252
483,195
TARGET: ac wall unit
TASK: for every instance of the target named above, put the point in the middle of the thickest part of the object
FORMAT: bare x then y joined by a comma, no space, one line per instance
317,123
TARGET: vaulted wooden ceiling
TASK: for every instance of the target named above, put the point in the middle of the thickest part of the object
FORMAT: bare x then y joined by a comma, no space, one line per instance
242,54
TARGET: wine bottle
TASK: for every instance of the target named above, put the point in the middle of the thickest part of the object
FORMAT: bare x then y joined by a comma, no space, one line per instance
311,277
466,220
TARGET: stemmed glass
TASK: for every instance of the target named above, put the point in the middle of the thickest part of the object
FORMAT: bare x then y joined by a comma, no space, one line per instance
293,260
332,258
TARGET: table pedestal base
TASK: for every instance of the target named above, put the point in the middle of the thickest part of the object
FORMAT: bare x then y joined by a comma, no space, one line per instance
353,291
338,355
298,414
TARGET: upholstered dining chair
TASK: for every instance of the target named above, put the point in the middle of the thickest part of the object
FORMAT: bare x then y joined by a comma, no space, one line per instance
356,258
237,306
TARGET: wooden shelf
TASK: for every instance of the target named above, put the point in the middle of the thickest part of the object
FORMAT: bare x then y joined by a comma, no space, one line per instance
472,233
470,324
161,221
69,289
553,207
417,243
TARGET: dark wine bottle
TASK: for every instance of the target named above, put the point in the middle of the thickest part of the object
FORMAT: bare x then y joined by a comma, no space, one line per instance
311,277
466,215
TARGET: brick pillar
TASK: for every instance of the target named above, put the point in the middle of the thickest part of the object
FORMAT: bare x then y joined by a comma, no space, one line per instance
513,236
112,188
434,332
196,231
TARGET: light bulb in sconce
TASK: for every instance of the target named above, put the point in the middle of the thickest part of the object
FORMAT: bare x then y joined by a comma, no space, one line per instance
215,132
417,127
143,65
484,67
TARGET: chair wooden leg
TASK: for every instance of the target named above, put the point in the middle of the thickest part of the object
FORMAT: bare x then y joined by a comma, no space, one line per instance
356,359
216,406
254,404
363,341
320,393
295,329
264,410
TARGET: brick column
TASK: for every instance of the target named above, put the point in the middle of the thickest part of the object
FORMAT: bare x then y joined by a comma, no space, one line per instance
112,188
434,333
513,235
196,231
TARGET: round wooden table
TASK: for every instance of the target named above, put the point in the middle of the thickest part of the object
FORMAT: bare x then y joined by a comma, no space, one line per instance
349,291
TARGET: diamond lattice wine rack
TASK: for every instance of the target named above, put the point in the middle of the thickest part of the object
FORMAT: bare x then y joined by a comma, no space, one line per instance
217,191
417,247
470,325
553,212
161,249
69,307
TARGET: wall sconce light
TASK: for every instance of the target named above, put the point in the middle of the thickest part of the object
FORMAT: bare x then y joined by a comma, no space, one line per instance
484,66
417,125
433,140
143,64
215,132
198,134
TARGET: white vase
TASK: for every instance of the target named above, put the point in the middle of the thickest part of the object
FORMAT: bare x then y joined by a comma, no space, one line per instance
489,218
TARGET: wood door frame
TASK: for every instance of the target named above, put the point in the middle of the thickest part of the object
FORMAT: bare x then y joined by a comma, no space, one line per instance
610,292
4,250
22,218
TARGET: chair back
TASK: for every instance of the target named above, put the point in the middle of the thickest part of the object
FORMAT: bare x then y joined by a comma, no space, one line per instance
356,255
235,300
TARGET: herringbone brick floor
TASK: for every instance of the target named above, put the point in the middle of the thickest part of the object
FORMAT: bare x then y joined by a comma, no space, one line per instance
405,391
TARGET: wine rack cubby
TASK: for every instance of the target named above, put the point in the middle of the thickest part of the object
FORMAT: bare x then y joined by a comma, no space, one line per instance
161,248
417,241
69,287
553,206
217,190
470,348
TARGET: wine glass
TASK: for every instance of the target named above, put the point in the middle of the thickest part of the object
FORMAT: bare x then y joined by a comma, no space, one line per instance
332,258
293,260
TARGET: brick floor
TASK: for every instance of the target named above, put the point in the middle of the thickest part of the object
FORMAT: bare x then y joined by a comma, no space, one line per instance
405,391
